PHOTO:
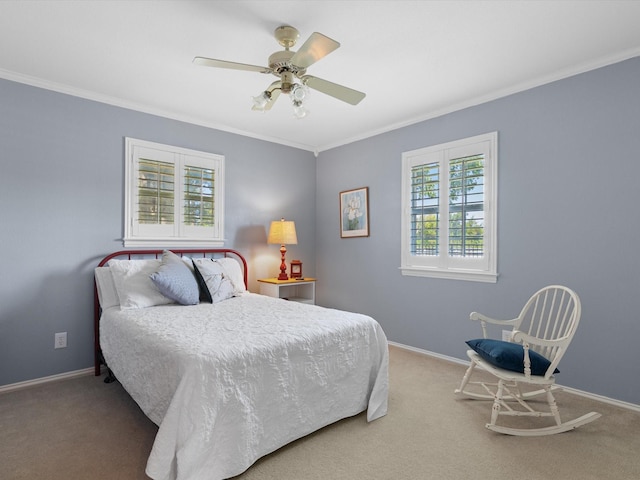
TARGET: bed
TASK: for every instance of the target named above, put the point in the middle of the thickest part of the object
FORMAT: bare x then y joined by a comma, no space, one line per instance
232,376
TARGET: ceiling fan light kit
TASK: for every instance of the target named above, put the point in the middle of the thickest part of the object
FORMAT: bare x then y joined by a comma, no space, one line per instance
299,93
299,110
291,68
260,101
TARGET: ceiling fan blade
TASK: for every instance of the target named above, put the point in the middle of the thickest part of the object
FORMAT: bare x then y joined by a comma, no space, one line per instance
316,47
212,62
340,92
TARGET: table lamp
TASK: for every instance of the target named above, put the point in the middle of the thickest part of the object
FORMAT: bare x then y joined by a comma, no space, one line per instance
282,233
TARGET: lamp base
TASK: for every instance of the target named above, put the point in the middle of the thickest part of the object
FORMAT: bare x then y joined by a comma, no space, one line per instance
283,265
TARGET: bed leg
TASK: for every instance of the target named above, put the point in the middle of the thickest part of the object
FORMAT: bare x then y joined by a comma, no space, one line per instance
110,378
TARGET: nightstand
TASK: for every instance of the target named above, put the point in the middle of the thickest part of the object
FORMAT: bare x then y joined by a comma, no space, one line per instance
295,289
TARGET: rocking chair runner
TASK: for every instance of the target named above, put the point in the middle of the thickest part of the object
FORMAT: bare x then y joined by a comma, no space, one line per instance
540,336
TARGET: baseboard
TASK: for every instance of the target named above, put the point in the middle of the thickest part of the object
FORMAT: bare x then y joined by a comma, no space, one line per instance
90,371
575,391
430,354
39,381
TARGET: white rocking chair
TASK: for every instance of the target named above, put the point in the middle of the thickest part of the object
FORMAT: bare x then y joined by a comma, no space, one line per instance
539,338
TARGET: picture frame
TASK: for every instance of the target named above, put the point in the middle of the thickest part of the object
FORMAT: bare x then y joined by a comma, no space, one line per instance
354,213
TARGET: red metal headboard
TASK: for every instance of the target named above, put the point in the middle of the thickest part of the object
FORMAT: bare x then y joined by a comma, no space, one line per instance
129,254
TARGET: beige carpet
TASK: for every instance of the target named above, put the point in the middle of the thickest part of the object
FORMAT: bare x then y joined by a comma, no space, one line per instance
85,429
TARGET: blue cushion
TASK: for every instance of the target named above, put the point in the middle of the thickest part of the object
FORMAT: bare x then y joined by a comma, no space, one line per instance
509,356
175,280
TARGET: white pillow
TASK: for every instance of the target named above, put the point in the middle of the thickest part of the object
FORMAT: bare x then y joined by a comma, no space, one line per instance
233,270
214,282
133,283
107,294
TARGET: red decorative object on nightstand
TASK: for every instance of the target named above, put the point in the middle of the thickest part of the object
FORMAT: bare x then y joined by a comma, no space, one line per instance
296,269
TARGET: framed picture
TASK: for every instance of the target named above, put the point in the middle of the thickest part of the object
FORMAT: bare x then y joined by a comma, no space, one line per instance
354,213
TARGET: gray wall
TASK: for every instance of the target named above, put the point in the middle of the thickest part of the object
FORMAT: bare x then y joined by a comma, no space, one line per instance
568,160
61,204
568,213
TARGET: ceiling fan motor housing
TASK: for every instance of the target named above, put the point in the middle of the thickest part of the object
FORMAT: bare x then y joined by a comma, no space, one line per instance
281,61
281,66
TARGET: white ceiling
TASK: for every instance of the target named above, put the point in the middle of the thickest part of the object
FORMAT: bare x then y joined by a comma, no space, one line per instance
414,59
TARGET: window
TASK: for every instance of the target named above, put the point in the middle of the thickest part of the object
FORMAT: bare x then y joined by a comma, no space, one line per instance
173,196
449,202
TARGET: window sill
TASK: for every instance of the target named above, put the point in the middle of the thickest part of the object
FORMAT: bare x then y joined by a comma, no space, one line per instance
451,274
172,242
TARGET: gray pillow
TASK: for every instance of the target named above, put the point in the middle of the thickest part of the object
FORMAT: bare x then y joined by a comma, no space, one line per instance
175,280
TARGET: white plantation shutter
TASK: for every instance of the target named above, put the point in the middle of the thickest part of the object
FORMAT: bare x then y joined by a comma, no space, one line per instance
156,187
198,203
200,199
449,202
425,209
466,206
173,196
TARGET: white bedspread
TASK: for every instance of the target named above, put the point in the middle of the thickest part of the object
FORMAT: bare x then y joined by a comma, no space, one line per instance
231,382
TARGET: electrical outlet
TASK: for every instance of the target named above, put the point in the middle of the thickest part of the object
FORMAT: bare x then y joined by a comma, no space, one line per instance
506,335
60,340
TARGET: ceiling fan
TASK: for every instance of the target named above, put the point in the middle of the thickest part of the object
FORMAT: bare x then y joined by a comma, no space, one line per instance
290,66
